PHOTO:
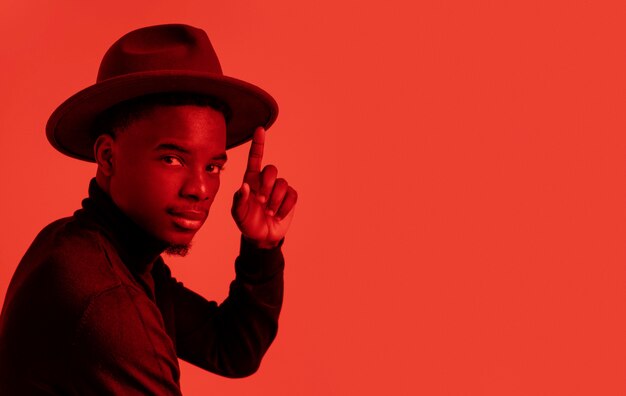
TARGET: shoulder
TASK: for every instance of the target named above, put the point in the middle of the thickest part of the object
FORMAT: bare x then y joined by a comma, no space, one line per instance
69,261
62,273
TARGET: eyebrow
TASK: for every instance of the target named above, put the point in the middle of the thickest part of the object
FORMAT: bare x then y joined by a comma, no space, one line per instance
171,146
175,147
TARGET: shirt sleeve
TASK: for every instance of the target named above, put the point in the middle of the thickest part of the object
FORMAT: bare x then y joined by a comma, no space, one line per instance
229,339
120,347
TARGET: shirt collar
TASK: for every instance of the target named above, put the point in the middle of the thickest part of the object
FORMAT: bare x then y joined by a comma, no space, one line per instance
136,247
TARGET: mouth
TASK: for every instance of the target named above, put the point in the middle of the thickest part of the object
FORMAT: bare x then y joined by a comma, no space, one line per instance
189,220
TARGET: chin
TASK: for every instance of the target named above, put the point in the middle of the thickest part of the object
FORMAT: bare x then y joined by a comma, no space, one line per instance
176,240
178,250
172,234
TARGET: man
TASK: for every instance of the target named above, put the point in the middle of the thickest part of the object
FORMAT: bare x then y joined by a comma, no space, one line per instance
92,308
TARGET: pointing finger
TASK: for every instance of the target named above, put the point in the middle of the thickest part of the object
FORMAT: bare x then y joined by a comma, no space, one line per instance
255,157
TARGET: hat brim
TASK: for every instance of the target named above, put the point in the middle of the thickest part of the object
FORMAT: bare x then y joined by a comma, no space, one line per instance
70,127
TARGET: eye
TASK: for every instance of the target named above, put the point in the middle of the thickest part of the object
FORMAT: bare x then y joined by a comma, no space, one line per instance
215,168
172,160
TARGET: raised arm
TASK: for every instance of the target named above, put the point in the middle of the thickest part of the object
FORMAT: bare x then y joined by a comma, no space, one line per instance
229,339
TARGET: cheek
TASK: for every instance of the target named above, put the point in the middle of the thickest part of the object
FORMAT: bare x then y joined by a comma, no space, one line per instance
143,188
214,185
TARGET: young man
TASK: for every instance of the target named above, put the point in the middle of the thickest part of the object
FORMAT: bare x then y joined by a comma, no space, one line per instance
92,308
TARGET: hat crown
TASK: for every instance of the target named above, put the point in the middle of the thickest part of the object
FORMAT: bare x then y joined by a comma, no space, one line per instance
160,48
153,60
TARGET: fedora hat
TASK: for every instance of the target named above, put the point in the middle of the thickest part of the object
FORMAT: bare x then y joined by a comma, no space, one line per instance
152,60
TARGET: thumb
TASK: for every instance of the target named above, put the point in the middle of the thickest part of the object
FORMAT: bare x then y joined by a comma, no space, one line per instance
240,202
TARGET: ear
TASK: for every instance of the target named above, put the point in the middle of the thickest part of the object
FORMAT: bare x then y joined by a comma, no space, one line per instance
103,152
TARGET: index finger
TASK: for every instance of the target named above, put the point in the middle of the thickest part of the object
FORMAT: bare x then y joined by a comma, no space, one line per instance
255,157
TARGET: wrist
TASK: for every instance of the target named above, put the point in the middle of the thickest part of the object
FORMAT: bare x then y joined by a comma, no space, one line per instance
261,244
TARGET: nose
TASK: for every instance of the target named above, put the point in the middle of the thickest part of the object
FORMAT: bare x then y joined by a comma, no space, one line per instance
199,186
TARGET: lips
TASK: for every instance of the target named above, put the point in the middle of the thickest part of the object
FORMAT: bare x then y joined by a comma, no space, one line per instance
188,219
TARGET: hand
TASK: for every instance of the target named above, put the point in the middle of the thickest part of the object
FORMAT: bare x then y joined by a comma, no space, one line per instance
264,205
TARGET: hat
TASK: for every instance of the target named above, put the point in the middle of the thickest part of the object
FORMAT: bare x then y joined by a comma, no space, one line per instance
158,59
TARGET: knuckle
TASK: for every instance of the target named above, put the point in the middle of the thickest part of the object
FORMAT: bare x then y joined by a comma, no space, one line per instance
270,168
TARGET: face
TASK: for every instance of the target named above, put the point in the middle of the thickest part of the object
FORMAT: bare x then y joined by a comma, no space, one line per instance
166,167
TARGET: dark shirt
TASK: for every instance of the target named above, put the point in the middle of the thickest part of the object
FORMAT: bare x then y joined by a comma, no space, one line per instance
93,309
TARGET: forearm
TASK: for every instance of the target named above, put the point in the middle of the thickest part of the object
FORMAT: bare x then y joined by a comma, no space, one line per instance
231,339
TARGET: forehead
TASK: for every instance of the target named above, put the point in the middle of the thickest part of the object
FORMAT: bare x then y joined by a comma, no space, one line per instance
193,126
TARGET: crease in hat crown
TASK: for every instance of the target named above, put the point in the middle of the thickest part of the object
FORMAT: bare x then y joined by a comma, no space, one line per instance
158,59
164,47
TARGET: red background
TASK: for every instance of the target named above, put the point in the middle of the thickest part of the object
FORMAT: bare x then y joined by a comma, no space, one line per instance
461,164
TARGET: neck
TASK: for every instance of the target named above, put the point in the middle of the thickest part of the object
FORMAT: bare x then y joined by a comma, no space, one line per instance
103,182
137,248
